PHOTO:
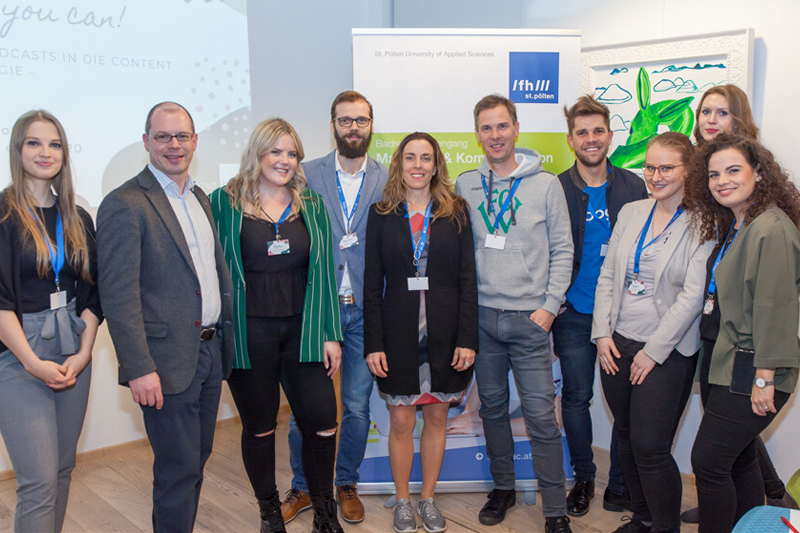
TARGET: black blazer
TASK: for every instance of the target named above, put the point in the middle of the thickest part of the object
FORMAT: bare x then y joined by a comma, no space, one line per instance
391,317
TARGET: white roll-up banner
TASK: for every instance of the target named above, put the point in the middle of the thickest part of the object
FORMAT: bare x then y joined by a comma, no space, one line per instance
430,80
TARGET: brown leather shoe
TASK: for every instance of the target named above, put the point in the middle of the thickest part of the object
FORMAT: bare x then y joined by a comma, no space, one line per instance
296,502
349,503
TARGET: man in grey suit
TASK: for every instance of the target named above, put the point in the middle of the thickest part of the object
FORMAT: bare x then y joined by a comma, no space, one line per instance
166,292
349,181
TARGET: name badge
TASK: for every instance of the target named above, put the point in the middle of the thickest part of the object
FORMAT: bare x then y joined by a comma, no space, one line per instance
58,300
280,247
603,250
498,242
708,307
351,239
418,284
636,287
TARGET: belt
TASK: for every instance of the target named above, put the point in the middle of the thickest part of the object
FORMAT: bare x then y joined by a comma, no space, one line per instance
348,299
206,334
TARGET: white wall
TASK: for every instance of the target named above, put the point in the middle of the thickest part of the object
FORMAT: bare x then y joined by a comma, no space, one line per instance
300,58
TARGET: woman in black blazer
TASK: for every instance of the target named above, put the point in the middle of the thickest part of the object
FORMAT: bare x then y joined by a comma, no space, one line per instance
421,331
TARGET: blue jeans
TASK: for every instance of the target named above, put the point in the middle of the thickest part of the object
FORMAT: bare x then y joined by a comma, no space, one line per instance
356,387
572,333
512,339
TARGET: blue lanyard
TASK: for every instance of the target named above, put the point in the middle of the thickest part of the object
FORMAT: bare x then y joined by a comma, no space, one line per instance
488,193
280,221
348,216
57,257
712,284
641,246
419,247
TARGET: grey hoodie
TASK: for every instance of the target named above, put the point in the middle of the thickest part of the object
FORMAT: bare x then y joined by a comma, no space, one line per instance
534,270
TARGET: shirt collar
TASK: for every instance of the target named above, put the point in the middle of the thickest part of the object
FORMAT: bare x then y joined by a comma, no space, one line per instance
169,186
343,173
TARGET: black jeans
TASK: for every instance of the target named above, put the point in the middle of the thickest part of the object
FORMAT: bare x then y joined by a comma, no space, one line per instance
725,456
773,484
273,345
646,418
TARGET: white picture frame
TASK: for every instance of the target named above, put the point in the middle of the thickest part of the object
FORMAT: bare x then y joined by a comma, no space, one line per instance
676,73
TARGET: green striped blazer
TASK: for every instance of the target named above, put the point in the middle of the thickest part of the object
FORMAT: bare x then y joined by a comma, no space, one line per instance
321,320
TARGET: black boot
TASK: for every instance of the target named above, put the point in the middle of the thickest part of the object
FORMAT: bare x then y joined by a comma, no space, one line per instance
325,516
271,517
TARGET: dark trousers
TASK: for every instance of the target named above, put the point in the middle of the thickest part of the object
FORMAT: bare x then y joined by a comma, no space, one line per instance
181,434
646,418
273,345
572,332
725,456
773,484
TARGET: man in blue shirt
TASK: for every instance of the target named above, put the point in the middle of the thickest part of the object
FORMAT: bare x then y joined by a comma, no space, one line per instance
595,192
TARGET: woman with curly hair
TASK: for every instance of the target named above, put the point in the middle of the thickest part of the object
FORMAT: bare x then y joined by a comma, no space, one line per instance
740,196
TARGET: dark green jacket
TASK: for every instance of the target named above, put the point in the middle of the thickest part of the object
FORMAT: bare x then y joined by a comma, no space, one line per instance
758,283
321,320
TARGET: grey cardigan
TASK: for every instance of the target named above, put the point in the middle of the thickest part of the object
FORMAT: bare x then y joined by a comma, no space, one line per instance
678,292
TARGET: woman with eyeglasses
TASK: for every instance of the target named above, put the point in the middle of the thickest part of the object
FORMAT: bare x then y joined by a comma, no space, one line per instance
49,314
646,315
277,239
741,200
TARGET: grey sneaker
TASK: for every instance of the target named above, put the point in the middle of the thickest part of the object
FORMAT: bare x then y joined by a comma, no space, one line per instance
404,520
432,519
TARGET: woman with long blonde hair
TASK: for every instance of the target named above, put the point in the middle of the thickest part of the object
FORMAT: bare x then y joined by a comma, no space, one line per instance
277,239
49,314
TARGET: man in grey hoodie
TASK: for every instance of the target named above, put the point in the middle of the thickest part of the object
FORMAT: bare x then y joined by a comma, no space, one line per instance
523,251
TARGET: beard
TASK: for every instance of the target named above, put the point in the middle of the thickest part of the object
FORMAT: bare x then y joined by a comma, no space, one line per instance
350,150
590,163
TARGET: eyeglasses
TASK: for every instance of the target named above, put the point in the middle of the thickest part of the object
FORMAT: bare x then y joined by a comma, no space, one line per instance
165,138
664,170
346,122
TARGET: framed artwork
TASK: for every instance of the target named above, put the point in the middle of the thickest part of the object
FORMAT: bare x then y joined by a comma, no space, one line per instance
655,86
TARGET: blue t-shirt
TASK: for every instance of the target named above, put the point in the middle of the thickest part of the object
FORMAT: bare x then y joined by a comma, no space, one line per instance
595,236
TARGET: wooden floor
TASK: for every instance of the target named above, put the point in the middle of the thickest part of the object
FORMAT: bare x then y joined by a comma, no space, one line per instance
113,493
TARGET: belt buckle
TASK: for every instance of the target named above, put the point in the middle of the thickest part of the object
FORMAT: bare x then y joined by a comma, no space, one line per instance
347,299
206,334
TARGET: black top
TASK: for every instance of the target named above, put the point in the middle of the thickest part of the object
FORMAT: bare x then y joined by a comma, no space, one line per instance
275,284
21,289
709,324
36,291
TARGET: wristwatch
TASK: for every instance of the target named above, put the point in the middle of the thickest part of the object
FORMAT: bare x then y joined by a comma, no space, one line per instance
762,383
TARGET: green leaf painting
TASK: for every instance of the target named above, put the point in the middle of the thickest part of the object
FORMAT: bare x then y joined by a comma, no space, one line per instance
674,115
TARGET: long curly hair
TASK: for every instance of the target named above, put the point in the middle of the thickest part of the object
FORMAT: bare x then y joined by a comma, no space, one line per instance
710,217
243,188
448,204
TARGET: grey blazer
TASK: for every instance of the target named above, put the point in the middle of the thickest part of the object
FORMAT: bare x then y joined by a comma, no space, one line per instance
678,292
149,288
321,175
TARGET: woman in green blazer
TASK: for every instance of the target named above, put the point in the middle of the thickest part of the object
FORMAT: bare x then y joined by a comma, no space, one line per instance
276,236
